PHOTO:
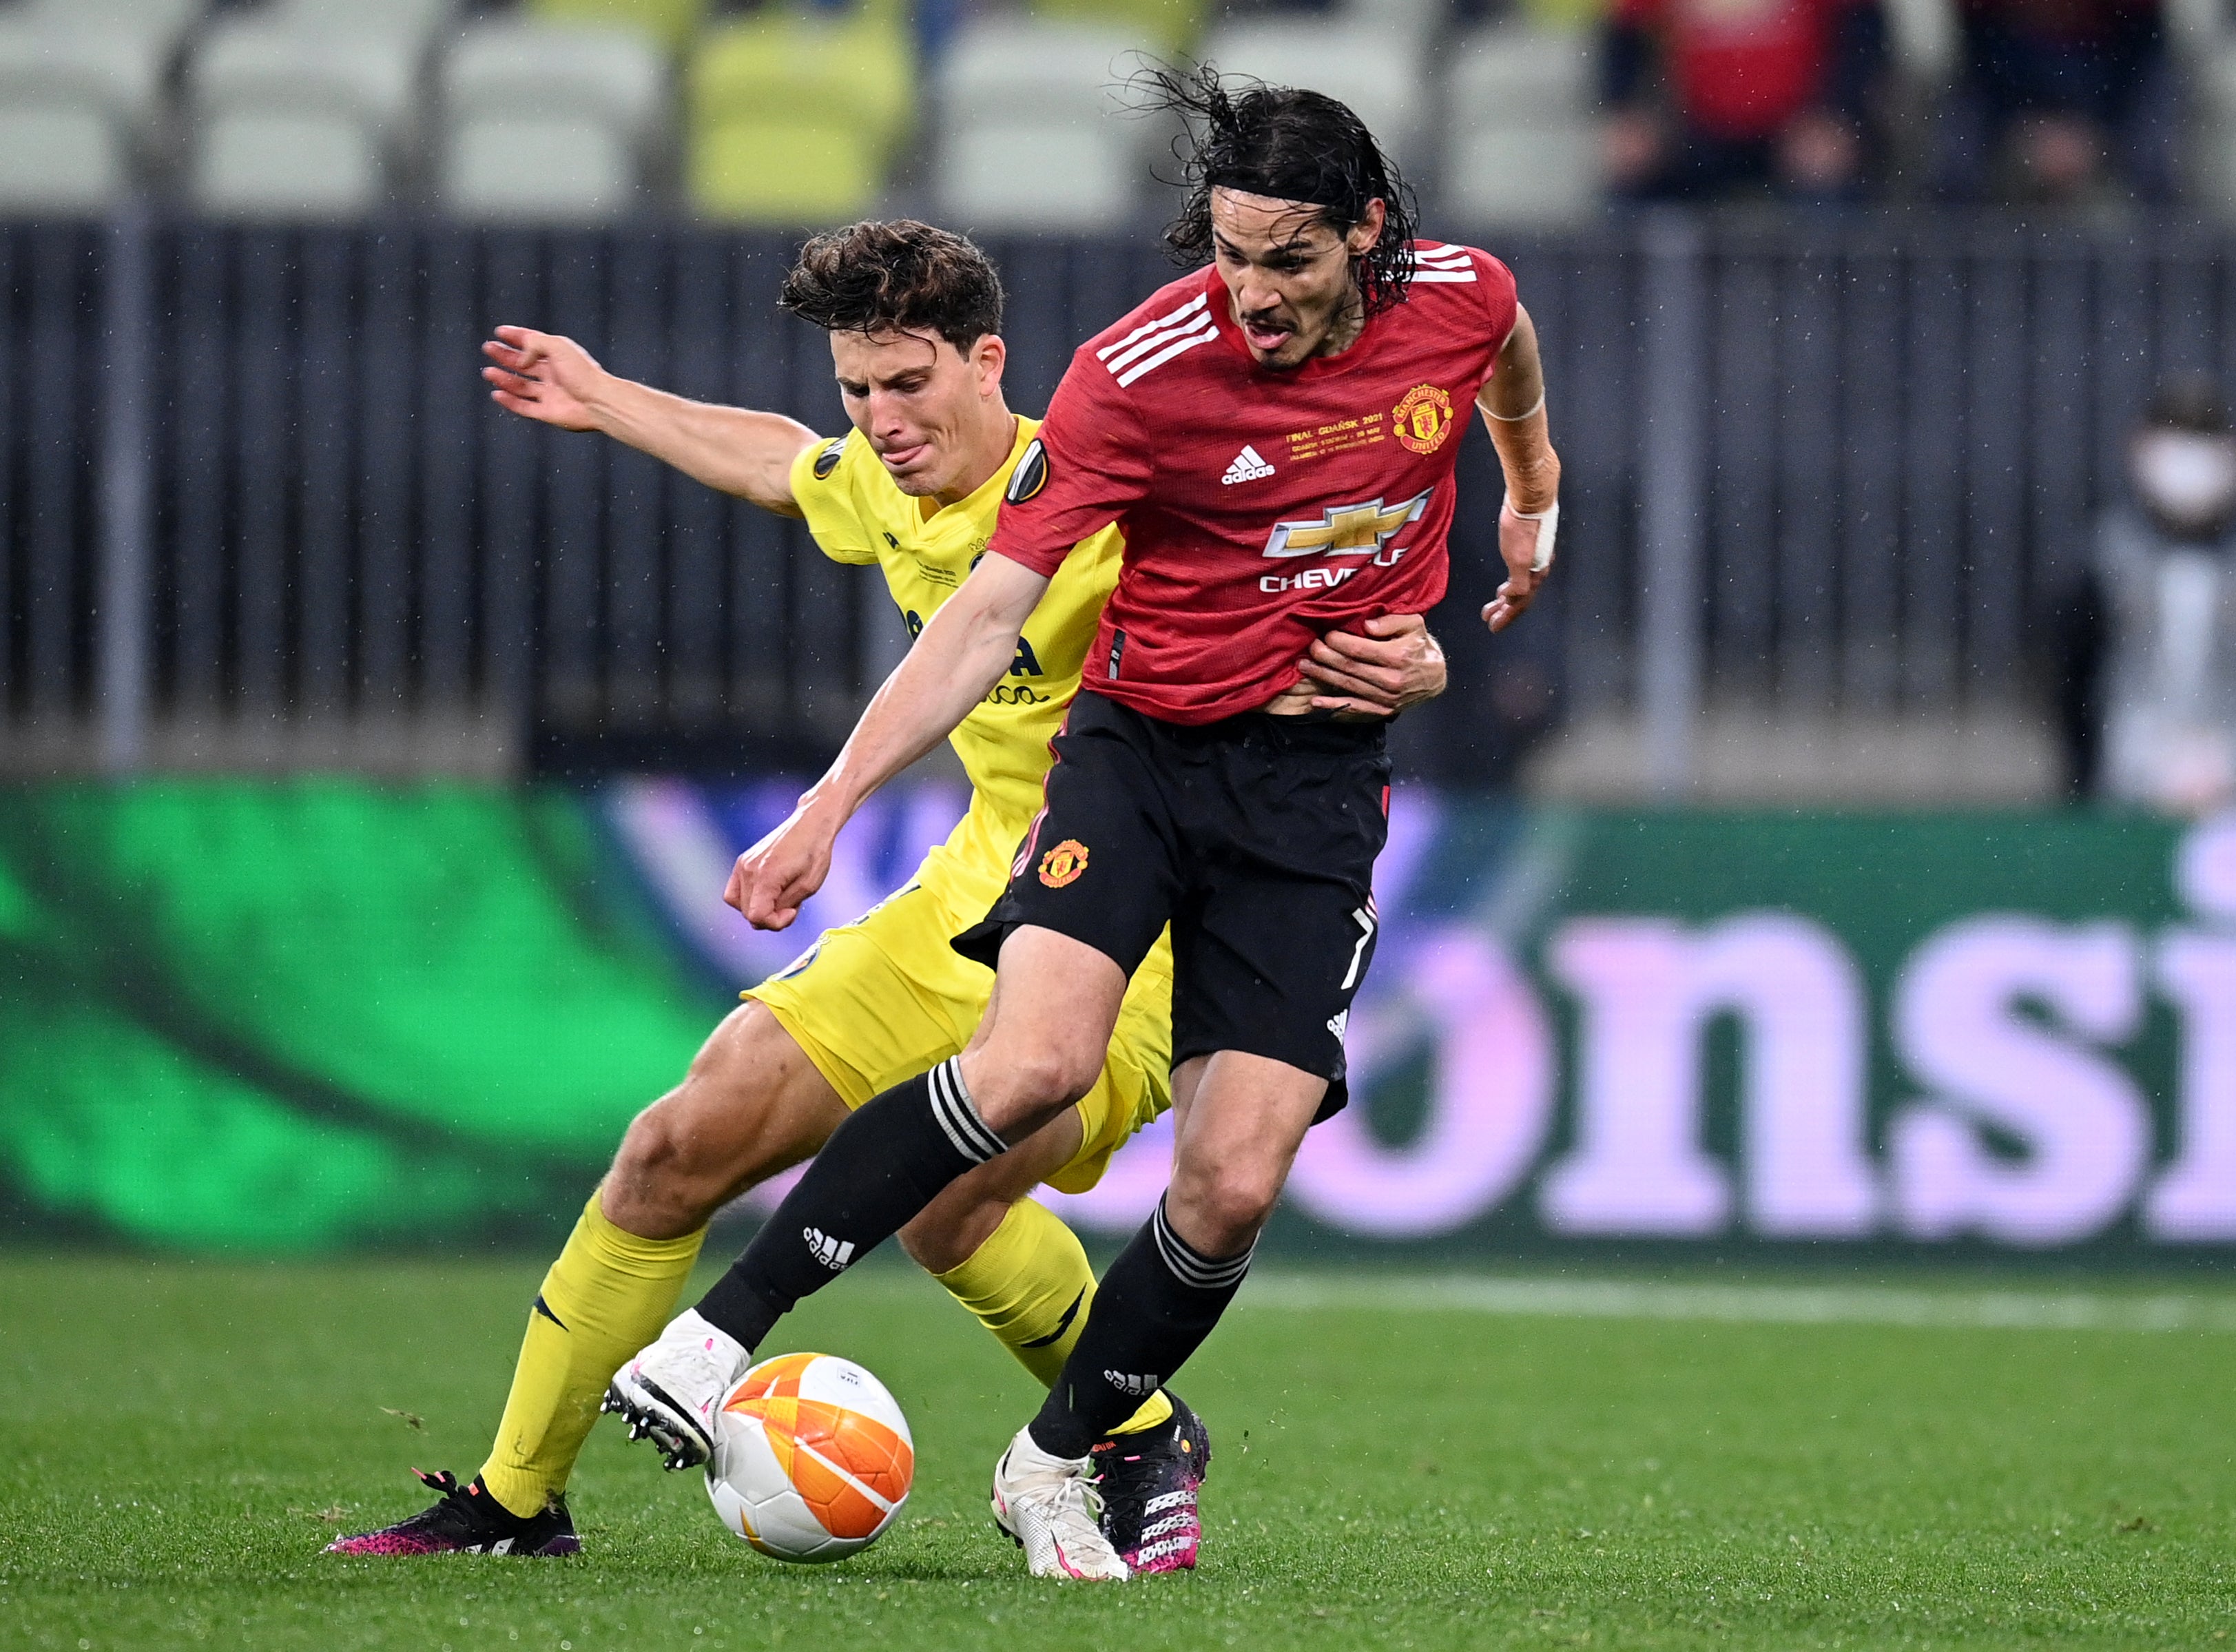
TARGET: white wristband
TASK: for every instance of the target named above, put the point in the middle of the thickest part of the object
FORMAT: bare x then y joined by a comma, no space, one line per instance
1535,408
1549,524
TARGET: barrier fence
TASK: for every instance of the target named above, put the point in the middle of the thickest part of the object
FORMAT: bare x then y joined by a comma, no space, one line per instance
249,483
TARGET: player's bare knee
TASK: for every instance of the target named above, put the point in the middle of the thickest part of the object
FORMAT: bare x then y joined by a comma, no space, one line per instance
1220,1208
711,1136
1017,1088
661,1176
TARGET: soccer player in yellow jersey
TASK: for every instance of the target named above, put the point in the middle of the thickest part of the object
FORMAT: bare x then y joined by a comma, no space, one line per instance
914,318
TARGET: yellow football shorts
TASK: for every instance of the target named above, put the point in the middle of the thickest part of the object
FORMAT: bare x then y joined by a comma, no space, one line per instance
878,1001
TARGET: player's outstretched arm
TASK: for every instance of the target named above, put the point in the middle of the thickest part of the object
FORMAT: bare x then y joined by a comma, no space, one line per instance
964,651
1513,405
554,381
1391,663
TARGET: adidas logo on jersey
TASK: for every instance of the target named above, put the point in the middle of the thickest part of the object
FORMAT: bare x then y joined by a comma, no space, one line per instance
1248,466
1339,1023
832,1254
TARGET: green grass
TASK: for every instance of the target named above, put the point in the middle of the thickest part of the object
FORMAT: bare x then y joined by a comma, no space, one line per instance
177,1440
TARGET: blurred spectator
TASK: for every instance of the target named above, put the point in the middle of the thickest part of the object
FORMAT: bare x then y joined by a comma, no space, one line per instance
1707,97
2148,637
2056,99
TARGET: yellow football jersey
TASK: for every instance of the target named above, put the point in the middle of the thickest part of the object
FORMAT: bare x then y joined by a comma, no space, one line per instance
858,515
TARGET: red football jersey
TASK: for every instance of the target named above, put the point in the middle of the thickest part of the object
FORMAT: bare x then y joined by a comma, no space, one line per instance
1260,507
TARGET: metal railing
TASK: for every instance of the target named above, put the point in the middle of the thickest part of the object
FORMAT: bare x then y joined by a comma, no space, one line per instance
255,507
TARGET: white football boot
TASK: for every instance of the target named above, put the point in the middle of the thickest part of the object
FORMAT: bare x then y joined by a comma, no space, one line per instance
669,1393
1050,1506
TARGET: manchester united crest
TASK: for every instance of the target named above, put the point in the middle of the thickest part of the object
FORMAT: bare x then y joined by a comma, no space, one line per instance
1063,863
1424,418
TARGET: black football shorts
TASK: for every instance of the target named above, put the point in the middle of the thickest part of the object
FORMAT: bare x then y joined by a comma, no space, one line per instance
1254,837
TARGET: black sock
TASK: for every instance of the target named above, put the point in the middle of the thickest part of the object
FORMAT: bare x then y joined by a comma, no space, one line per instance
1155,1306
881,1167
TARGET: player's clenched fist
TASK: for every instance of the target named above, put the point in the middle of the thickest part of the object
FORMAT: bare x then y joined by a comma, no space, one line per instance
543,376
774,878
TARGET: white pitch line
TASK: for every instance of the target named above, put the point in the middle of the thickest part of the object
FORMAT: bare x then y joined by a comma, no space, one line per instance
1741,1304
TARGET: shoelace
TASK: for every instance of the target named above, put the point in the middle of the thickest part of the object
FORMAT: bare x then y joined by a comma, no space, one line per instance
1077,1489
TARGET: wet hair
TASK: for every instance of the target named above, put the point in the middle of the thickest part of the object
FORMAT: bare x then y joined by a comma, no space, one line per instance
2190,403
1290,144
897,277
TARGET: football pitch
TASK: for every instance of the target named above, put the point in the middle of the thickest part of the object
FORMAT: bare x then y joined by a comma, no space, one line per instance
1621,1462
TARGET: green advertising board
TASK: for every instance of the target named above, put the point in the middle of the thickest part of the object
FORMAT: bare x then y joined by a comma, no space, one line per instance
310,1015
307,1015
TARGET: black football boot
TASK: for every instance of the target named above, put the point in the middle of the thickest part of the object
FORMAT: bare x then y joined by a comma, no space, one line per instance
468,1521
1149,1482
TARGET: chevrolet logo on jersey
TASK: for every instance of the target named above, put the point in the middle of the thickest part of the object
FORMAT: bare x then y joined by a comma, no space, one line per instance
1349,530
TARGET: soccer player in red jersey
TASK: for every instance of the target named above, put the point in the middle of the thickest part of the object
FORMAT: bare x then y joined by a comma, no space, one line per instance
1276,436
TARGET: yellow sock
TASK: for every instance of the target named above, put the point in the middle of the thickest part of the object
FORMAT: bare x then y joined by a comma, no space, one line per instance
607,1296
1030,1286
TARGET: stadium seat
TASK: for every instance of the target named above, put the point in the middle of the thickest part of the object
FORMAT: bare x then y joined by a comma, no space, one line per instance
415,20
1924,37
1164,25
1522,147
1033,129
1416,20
551,168
1513,176
60,157
794,116
521,67
672,22
1003,175
792,172
258,163
1046,70
1380,73
311,62
550,121
163,25
858,69
2214,160
1514,74
115,53
168,20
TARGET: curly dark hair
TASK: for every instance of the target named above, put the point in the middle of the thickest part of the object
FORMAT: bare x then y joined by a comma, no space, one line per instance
896,277
1293,145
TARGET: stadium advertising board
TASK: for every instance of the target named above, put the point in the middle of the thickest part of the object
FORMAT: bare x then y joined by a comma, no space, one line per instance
310,1014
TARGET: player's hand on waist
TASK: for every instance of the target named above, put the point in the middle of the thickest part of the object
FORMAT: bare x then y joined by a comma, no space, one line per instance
1527,561
774,878
1390,663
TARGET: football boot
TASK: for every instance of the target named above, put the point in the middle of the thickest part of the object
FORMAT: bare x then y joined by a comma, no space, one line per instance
1050,1509
668,1393
1147,1481
467,1520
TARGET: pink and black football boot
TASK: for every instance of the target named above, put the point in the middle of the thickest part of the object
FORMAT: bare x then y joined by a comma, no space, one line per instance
468,1521
1148,1484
